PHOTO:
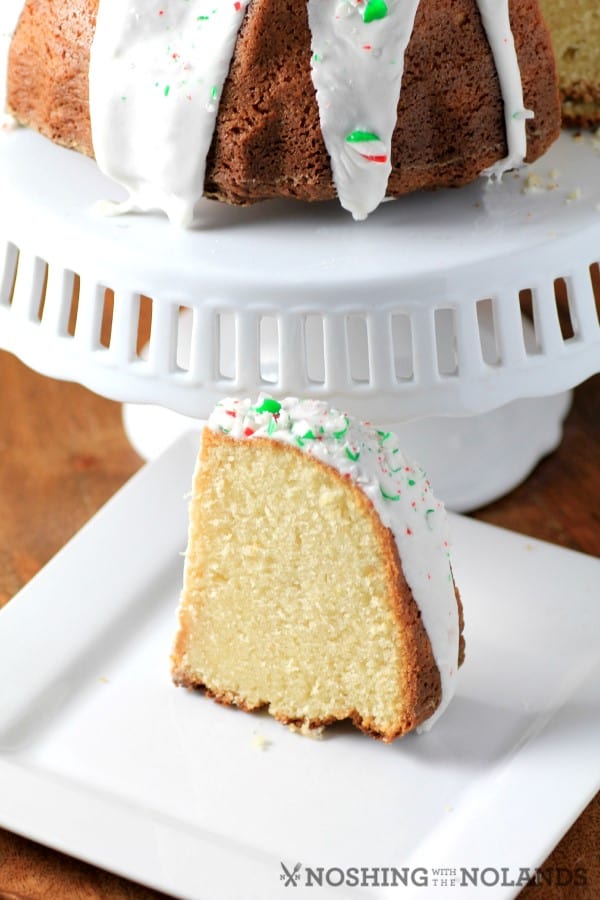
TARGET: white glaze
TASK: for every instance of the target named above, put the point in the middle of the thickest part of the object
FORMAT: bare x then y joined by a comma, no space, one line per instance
357,71
156,74
10,10
398,490
157,70
496,22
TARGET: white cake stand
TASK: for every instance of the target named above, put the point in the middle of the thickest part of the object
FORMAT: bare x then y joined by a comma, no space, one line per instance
414,315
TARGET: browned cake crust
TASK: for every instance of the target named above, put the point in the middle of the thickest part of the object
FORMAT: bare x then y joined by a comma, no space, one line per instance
419,675
581,104
268,141
48,72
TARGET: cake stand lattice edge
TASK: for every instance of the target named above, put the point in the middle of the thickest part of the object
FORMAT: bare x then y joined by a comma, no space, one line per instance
395,361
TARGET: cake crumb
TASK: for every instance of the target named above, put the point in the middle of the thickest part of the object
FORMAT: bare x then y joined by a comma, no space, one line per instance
306,731
260,742
533,184
575,194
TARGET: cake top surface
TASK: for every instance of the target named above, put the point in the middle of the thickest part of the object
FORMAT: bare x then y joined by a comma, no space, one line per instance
371,456
399,490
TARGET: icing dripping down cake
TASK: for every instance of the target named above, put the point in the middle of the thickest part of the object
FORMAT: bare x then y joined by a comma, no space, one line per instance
249,100
317,577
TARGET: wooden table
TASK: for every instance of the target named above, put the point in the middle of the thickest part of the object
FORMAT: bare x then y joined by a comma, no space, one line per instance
64,453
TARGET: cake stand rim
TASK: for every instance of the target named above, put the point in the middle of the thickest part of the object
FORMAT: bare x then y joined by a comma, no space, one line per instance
437,288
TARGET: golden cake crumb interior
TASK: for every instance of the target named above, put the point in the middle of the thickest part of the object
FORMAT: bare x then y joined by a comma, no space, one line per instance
575,29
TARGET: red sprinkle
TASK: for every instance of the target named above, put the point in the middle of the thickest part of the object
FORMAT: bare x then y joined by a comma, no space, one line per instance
237,6
231,413
408,531
248,431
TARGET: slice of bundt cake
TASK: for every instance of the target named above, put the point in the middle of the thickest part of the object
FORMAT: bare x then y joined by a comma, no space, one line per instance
317,577
575,29
257,99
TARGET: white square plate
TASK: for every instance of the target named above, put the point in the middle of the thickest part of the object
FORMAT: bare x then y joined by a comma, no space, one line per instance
101,757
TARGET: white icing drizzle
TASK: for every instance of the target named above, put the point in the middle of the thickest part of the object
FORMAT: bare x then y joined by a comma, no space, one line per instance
157,71
398,490
357,71
357,68
10,10
156,74
495,16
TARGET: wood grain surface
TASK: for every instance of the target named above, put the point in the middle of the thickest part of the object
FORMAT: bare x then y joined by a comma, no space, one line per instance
64,453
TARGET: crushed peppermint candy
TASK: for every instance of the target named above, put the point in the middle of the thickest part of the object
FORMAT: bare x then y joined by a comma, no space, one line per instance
371,456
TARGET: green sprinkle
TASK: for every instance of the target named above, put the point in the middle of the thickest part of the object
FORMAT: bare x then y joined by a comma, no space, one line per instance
300,442
351,455
384,435
376,9
167,89
357,137
388,496
338,435
214,93
271,426
316,57
412,482
269,405
309,436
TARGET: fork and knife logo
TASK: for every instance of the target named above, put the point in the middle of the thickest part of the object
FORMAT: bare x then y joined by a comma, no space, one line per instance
292,877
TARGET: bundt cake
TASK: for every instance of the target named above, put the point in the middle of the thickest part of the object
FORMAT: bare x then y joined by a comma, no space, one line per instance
575,30
317,577
363,99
